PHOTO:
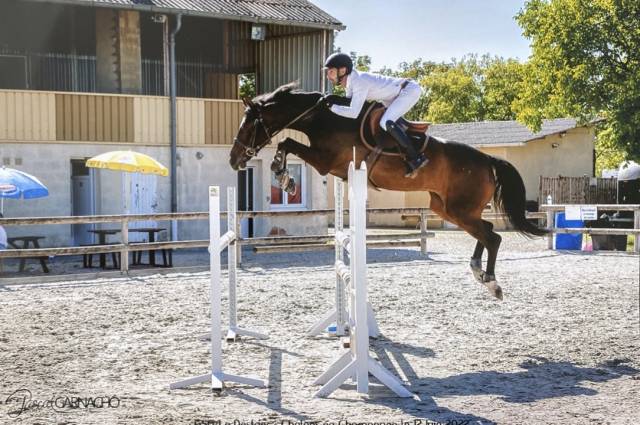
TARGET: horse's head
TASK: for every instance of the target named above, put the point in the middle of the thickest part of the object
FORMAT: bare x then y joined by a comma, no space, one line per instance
264,117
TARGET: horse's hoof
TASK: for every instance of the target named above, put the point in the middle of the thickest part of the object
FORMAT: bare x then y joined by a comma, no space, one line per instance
495,290
492,286
478,274
291,187
476,268
276,164
489,281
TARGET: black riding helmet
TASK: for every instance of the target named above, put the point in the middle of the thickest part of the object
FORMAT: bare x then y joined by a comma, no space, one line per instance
339,60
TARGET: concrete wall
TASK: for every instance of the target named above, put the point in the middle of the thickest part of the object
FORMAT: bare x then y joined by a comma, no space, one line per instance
51,163
572,157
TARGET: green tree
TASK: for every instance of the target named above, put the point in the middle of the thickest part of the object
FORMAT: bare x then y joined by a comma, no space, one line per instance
361,63
417,70
247,86
609,155
454,93
585,63
501,85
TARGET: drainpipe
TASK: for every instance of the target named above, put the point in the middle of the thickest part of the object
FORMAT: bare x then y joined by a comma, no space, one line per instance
172,119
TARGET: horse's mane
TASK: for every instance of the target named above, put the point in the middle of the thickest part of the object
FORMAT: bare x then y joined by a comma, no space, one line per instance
280,94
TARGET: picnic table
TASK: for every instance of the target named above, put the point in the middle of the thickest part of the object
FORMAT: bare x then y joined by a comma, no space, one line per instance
26,242
151,237
102,240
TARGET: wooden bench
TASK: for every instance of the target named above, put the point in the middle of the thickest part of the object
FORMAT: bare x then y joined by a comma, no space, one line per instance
87,259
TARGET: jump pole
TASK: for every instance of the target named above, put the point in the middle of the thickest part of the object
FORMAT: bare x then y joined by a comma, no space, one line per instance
216,376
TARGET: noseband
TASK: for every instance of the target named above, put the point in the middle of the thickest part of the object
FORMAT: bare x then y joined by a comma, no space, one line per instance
249,151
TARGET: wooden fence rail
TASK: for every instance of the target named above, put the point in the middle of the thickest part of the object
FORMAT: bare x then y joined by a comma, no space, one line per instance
550,211
125,247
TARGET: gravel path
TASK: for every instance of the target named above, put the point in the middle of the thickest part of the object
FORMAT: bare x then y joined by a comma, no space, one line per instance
562,347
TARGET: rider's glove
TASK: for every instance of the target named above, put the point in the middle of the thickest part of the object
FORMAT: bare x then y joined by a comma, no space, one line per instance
334,99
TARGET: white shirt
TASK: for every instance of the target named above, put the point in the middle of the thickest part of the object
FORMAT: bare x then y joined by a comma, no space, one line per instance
363,86
3,238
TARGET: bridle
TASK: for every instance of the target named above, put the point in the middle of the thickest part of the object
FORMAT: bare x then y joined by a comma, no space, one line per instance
249,151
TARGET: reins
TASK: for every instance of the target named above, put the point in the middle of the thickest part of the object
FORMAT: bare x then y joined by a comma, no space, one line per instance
250,150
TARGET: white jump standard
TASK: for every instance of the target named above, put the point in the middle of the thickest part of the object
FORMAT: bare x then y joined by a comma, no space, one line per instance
217,244
338,314
232,224
356,362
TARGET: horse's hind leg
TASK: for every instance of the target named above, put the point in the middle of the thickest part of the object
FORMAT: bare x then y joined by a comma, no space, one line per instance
476,258
476,261
483,231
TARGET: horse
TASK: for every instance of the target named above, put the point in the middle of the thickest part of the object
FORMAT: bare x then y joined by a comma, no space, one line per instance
460,179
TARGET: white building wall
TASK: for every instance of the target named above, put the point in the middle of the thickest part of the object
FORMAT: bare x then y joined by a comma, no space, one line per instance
51,163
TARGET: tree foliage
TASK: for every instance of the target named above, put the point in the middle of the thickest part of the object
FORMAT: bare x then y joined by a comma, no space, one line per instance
247,86
585,63
473,89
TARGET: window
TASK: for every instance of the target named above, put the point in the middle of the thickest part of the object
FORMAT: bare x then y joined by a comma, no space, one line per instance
280,198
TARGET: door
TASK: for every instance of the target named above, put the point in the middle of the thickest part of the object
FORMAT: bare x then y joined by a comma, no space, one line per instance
142,199
82,200
246,200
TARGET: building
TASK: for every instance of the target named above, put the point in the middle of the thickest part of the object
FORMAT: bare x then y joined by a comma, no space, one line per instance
561,147
83,77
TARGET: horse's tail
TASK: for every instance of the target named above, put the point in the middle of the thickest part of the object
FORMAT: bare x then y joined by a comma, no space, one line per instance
510,197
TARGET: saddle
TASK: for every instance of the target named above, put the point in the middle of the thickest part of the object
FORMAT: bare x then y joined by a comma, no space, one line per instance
376,139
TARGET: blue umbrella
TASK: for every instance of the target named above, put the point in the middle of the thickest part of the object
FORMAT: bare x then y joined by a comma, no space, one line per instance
16,184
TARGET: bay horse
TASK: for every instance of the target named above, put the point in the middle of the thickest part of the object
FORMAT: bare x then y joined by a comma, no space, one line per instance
460,179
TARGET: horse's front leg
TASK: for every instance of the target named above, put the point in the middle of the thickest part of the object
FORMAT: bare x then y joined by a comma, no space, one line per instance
315,158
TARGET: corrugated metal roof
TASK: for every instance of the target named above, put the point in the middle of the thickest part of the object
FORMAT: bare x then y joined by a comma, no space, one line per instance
284,12
489,133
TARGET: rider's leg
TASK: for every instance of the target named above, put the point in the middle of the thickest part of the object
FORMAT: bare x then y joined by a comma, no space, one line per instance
405,100
414,160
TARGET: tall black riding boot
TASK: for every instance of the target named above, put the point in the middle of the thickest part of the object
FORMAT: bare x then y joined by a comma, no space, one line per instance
414,160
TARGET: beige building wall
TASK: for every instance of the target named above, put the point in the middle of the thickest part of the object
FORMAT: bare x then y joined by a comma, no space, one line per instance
573,156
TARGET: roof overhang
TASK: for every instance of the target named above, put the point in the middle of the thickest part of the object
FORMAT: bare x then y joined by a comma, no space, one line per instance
186,12
499,145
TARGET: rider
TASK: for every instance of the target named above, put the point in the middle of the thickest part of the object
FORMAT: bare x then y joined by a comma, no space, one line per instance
397,94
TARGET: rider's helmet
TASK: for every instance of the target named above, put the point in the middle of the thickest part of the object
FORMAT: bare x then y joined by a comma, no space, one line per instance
339,60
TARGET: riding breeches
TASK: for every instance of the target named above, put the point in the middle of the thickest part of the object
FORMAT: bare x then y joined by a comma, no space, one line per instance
405,100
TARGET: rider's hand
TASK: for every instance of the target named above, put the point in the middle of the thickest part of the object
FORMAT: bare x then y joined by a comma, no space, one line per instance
334,99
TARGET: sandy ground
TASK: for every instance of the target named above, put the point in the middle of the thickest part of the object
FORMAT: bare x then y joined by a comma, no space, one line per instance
563,347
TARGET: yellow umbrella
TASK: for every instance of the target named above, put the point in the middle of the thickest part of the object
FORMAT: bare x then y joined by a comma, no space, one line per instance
130,161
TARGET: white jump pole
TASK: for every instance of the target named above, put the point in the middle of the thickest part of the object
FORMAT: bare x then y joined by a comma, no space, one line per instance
338,314
356,363
216,376
234,330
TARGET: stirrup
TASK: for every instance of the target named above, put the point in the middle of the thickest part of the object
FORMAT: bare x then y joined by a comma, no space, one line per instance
413,168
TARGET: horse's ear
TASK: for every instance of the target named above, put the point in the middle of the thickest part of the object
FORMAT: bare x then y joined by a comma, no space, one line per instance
246,101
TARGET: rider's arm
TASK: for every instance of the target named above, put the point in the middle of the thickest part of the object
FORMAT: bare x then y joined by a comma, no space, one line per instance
358,97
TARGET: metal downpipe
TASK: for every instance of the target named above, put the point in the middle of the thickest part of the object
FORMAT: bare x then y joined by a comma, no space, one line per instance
172,119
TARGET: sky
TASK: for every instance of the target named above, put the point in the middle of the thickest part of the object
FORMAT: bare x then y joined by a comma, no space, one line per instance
395,31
